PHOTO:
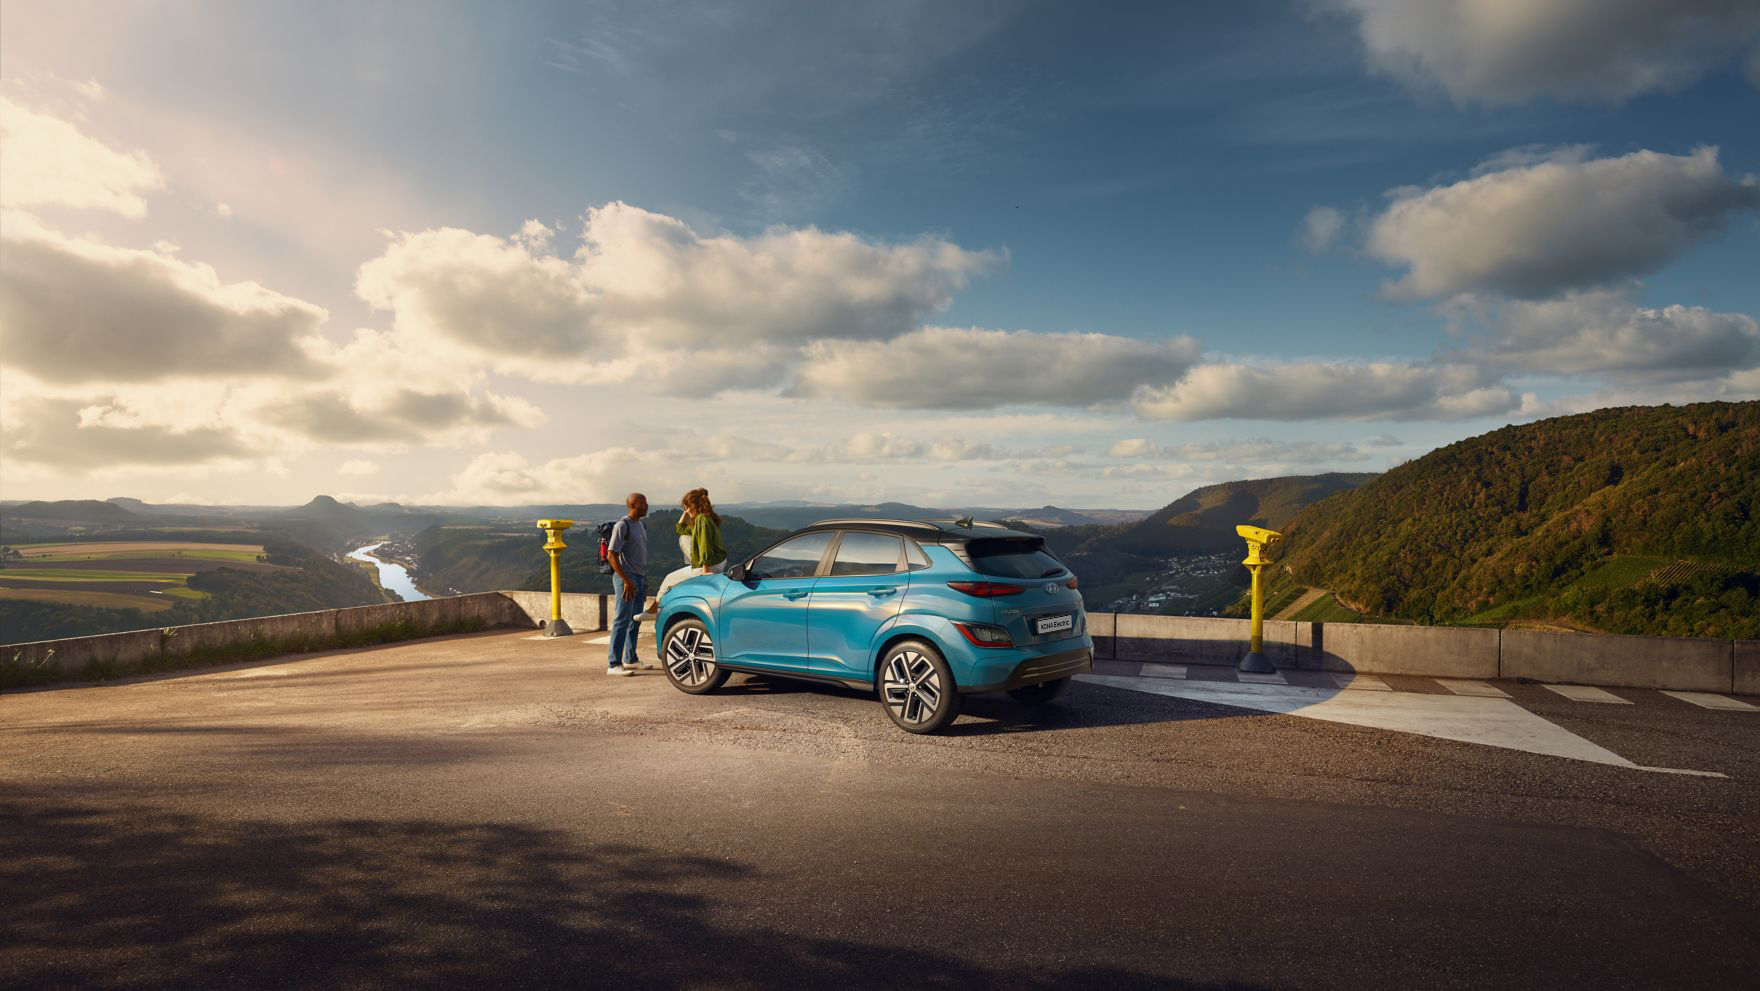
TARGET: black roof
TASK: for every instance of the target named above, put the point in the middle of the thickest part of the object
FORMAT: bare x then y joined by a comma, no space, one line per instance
925,531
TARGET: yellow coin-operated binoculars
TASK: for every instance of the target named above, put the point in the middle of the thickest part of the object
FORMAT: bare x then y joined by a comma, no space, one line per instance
557,627
1258,540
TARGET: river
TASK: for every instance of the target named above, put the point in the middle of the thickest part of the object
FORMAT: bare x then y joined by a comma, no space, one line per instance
393,576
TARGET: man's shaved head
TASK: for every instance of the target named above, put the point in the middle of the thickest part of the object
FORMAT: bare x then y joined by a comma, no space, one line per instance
637,504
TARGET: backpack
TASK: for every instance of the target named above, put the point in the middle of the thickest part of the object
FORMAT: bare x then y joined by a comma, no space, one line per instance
605,530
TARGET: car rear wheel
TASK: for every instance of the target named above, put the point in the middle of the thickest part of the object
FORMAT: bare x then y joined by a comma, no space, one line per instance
917,689
1039,694
689,658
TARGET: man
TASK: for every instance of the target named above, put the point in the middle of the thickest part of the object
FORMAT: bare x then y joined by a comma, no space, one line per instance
627,550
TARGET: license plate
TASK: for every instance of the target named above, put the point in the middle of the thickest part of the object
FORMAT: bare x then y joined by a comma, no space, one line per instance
1054,624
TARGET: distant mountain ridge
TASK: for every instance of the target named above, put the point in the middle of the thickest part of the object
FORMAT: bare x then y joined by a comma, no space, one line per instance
1629,520
1203,520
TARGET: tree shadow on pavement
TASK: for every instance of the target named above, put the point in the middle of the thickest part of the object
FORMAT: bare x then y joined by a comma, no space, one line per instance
97,897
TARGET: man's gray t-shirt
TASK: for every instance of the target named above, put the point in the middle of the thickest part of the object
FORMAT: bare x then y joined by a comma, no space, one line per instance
629,538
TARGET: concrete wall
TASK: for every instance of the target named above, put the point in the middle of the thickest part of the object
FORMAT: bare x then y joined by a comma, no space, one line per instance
1431,651
1745,659
112,654
582,611
1682,663
1209,640
1101,628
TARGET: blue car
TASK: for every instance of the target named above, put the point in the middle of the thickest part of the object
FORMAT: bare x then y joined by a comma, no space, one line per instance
920,612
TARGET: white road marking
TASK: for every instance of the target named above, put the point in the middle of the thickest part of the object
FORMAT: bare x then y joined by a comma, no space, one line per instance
1476,689
1260,679
1587,693
1711,700
1361,682
1488,722
1164,671
600,640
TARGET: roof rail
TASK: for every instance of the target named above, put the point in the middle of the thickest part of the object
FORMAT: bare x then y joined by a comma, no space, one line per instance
963,524
922,524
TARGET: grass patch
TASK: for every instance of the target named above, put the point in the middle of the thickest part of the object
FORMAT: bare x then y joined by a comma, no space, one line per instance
14,673
72,575
1326,609
100,600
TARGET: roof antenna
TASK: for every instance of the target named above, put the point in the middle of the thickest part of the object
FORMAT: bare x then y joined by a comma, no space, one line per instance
963,521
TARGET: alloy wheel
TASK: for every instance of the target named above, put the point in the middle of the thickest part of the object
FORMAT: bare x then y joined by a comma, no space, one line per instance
690,656
912,687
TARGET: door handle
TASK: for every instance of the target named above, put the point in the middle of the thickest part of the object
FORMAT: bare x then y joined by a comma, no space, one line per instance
882,592
795,593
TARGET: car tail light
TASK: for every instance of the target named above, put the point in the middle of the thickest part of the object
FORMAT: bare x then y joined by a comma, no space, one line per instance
986,590
984,635
1071,583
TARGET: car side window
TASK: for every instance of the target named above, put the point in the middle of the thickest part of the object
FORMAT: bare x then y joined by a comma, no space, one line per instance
796,558
866,553
914,558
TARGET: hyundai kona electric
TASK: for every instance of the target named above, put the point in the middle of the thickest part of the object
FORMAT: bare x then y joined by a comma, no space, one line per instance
922,613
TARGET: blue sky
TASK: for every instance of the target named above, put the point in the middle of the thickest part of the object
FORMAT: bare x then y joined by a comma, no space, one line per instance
985,253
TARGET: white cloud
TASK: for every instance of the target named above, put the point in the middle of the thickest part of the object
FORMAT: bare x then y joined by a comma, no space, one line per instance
1603,332
357,466
47,161
509,479
79,436
1512,51
1535,229
1321,228
76,310
1318,390
974,368
644,283
1254,452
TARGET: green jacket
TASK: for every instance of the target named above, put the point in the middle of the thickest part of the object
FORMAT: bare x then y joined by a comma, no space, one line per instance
705,537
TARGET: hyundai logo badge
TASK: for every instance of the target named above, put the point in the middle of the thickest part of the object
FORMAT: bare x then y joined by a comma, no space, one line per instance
1050,588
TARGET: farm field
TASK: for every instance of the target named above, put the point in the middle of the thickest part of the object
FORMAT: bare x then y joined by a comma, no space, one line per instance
142,574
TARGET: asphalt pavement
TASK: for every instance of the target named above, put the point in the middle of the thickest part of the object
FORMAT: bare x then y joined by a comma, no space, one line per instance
494,810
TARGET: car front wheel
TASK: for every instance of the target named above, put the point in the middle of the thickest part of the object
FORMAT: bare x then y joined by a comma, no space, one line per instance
917,688
689,657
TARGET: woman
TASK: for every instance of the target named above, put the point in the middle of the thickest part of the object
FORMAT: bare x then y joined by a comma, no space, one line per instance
699,539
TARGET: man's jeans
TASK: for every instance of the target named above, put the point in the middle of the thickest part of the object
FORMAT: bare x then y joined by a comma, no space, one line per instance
624,627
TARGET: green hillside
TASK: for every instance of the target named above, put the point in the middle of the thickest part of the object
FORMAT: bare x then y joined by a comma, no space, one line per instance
1631,520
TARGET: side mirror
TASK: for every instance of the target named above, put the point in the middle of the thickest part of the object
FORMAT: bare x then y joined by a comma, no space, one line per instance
737,573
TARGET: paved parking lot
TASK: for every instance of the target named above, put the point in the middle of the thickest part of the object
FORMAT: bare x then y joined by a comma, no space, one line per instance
493,809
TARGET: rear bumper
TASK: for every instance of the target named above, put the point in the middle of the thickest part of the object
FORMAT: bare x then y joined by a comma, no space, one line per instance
1035,670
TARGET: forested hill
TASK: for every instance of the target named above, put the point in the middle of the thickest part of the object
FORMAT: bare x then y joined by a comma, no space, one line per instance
1630,520
1203,520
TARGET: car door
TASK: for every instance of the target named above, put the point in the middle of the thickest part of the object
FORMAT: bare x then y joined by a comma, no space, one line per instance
762,622
862,588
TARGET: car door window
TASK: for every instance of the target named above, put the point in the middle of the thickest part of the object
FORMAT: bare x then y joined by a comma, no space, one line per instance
864,553
797,558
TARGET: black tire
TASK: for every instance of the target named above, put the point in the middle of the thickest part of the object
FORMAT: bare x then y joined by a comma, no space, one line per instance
1045,691
688,655
916,687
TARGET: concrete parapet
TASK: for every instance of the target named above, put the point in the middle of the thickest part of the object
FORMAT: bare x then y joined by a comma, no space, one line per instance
1102,628
583,611
75,656
291,628
1745,667
1431,651
140,651
1208,640
1681,663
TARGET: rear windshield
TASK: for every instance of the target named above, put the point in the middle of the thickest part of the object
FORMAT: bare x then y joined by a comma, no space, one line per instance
1013,559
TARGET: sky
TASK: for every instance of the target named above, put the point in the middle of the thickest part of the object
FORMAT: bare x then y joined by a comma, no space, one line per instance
990,253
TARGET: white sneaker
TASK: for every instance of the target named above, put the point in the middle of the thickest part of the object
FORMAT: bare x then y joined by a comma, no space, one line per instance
618,671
